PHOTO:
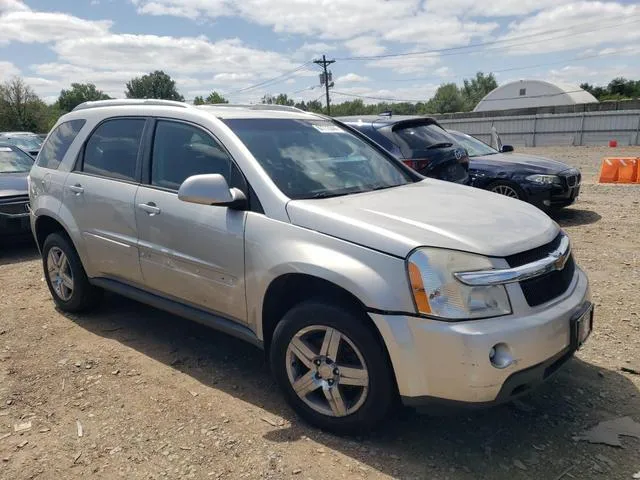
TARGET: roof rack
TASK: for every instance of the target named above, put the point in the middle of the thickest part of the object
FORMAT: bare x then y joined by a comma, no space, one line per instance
255,106
130,102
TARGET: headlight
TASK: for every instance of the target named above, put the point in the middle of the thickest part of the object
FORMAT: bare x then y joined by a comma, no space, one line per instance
544,179
438,293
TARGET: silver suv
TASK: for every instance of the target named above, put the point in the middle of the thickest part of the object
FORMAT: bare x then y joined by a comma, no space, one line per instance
363,281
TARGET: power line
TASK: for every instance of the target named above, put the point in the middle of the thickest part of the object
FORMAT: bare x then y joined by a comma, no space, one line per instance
271,81
513,69
456,50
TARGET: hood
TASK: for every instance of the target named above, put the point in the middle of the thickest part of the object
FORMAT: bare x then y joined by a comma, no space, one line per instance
520,162
12,184
428,213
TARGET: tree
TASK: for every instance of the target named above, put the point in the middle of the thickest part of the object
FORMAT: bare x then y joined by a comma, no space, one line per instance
22,109
153,85
214,97
79,93
447,99
474,90
280,99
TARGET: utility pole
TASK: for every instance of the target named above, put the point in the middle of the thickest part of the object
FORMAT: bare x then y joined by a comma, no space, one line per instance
326,78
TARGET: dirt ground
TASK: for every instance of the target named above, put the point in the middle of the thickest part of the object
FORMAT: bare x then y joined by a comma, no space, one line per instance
131,392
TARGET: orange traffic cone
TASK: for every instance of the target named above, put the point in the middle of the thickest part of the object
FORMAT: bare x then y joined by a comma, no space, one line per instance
620,170
628,171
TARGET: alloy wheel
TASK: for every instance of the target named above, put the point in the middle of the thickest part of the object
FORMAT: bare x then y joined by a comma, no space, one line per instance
327,371
60,274
505,190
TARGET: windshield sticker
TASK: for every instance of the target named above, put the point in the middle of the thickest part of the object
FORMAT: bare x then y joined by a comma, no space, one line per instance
327,128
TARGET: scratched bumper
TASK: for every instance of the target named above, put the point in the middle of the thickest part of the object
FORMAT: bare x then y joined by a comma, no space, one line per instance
449,361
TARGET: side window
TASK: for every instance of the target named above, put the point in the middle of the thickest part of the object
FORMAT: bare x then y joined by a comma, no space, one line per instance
56,146
112,149
181,150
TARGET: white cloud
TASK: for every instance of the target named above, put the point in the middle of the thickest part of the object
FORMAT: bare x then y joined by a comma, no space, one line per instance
182,8
43,27
351,78
576,25
494,8
366,45
577,74
8,70
438,31
13,6
184,54
444,71
406,64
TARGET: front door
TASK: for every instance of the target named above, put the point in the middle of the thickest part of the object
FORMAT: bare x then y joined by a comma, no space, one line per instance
193,253
100,195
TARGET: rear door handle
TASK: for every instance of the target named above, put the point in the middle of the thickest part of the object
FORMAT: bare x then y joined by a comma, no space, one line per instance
150,208
77,189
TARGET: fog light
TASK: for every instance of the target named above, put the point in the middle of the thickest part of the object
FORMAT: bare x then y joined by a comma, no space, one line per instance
500,356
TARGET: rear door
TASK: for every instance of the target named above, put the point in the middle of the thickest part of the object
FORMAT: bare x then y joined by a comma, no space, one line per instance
100,195
193,253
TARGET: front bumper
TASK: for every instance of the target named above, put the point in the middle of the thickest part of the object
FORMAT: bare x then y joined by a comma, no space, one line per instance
448,362
15,225
548,196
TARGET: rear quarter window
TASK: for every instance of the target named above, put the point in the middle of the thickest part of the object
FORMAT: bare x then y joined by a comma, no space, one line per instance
55,147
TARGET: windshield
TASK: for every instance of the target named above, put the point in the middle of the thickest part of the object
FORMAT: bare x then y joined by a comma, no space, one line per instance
474,147
14,161
24,142
316,158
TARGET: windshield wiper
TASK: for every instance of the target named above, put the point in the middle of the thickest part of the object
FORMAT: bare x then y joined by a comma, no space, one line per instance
440,145
329,194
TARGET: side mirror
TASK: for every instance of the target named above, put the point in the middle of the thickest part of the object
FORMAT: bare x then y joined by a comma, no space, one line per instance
211,189
506,148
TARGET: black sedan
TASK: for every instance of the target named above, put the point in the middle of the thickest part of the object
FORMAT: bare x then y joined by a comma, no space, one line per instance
14,196
419,142
545,183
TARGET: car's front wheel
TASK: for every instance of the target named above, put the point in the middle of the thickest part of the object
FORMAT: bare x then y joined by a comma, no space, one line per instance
507,189
65,275
332,367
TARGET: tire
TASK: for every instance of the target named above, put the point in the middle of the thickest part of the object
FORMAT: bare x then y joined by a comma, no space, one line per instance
501,187
65,276
359,380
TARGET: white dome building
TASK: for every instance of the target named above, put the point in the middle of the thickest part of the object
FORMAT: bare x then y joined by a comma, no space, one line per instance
533,93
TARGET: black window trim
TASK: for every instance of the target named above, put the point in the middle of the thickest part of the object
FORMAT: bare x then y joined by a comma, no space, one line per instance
78,166
149,140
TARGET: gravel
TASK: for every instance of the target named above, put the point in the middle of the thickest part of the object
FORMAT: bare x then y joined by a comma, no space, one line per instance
159,397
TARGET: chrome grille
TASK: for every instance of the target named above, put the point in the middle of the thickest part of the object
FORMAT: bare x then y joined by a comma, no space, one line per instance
573,179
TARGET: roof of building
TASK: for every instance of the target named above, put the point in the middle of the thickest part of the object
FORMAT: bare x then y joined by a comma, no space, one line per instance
544,93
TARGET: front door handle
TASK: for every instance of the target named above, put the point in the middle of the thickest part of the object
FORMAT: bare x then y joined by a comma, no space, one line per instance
150,208
77,189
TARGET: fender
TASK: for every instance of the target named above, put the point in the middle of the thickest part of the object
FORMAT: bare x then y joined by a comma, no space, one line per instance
274,248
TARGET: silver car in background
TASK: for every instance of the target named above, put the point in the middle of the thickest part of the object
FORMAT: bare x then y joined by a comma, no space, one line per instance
363,281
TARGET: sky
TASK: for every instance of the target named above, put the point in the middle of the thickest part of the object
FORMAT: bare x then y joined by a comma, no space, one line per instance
384,49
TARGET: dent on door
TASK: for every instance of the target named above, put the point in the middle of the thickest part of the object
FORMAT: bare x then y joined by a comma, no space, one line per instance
194,253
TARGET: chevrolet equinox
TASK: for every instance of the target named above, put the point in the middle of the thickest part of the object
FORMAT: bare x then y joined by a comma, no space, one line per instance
363,281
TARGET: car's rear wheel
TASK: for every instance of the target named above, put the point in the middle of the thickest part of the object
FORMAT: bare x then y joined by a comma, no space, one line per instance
65,276
507,189
332,368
